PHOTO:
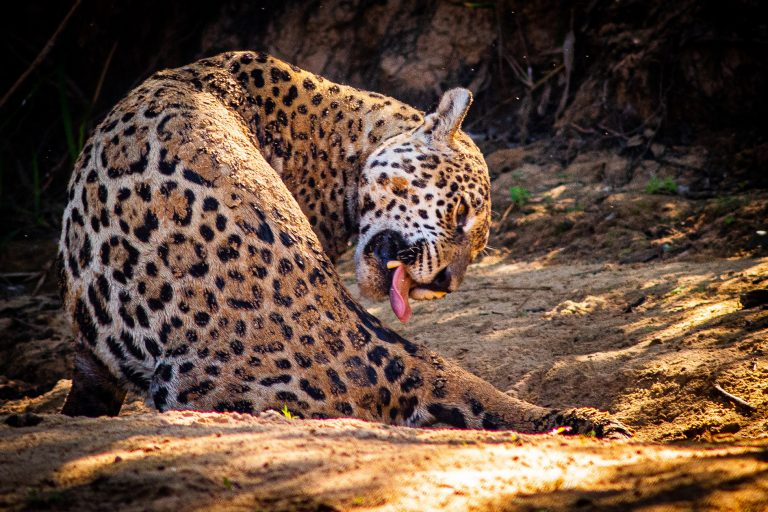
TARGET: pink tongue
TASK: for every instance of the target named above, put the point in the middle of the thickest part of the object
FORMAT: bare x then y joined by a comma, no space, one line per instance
398,294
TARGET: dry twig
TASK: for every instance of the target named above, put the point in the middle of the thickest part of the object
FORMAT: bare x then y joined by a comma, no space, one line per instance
581,129
504,216
43,275
103,74
734,398
532,88
40,56
12,275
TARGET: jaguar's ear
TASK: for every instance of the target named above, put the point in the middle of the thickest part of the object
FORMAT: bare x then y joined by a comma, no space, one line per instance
443,123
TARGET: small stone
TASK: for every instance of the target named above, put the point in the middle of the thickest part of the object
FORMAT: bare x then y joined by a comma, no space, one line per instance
26,419
642,256
754,298
657,150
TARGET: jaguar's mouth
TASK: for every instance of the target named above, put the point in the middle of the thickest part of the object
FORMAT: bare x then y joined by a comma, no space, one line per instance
402,286
386,272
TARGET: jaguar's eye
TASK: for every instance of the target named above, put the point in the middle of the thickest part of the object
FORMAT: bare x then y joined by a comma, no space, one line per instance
462,211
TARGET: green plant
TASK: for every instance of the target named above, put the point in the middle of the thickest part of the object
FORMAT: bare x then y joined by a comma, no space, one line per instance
677,291
725,204
286,412
661,186
519,196
729,219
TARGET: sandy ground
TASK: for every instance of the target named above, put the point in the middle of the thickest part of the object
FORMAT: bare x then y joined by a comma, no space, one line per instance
596,295
197,461
647,342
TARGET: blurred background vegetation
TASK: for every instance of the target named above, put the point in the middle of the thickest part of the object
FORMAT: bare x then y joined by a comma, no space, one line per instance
623,76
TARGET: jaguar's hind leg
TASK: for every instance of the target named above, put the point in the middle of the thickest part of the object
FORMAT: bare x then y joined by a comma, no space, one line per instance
95,391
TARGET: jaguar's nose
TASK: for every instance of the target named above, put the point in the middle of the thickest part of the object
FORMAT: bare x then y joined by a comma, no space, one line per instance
385,246
442,281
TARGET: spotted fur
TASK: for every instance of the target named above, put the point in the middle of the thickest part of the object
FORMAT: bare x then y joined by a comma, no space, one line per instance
197,250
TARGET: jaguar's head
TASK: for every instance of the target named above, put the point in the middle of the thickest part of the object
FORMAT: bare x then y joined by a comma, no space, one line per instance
425,209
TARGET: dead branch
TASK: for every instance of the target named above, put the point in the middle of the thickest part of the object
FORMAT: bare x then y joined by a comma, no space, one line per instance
504,217
612,132
524,116
54,170
520,73
568,49
581,129
526,54
532,88
546,77
500,43
103,74
544,100
734,398
40,56
43,275
12,275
